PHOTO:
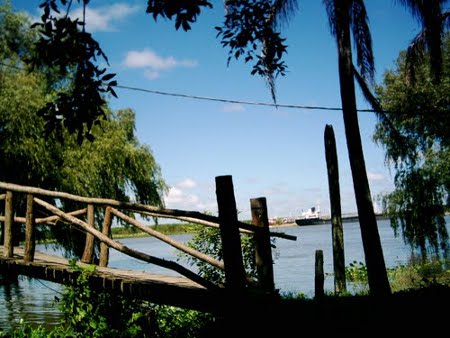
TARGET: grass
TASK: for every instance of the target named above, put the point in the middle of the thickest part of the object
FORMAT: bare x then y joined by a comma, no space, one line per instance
167,229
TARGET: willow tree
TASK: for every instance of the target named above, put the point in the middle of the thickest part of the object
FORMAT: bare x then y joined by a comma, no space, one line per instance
114,165
419,150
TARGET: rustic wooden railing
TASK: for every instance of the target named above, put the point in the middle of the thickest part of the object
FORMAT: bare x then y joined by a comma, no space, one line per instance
227,222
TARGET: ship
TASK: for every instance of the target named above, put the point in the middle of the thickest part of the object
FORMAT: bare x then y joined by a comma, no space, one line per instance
311,217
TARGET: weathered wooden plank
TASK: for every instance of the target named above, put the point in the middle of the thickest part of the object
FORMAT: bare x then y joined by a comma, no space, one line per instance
319,277
235,277
160,289
8,231
243,227
46,220
336,216
168,240
104,249
263,251
106,202
126,250
88,254
161,212
29,231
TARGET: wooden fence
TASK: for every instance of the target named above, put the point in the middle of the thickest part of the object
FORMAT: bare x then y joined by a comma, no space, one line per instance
230,228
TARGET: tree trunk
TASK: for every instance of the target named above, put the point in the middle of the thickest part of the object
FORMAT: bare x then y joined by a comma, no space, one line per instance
376,269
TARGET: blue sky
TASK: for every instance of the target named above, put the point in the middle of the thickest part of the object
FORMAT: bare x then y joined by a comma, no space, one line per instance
275,153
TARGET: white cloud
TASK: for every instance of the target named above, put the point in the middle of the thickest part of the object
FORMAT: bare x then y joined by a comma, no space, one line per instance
187,194
187,183
178,199
102,18
233,107
149,59
174,195
153,63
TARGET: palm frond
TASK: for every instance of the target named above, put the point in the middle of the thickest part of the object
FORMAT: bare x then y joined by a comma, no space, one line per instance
362,39
430,16
367,92
414,6
331,13
376,105
446,20
415,54
283,11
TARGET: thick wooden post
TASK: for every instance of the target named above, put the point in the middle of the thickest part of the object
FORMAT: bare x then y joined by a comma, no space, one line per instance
229,232
319,275
336,216
263,250
29,231
9,217
88,254
2,224
104,249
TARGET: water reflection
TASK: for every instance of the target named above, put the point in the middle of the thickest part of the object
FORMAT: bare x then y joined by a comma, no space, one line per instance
30,300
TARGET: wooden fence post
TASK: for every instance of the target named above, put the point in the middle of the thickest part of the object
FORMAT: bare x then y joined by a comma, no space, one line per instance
9,217
88,253
104,249
263,250
231,241
319,275
336,216
29,231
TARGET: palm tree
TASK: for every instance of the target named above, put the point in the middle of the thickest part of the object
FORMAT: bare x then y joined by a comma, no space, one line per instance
346,17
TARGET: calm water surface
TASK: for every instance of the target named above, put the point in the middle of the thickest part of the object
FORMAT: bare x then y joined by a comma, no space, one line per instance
34,300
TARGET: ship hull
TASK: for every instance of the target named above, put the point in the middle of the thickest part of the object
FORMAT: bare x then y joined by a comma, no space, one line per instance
310,221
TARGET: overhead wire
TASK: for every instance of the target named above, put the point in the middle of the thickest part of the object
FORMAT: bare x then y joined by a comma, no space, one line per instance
205,98
223,100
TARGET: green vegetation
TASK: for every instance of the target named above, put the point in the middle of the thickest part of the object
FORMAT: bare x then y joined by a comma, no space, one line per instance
417,275
416,139
115,165
99,314
208,241
90,313
167,229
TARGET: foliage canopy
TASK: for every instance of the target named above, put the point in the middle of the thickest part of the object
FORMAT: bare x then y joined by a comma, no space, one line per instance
115,165
417,142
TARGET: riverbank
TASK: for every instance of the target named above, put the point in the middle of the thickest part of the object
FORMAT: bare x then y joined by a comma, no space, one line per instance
171,229
166,229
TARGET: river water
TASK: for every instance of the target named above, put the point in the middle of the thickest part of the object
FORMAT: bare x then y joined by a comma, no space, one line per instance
34,300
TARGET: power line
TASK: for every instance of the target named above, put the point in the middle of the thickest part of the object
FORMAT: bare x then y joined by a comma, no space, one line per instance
215,99
205,98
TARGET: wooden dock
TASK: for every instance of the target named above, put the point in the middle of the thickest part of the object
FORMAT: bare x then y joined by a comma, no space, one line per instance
171,290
